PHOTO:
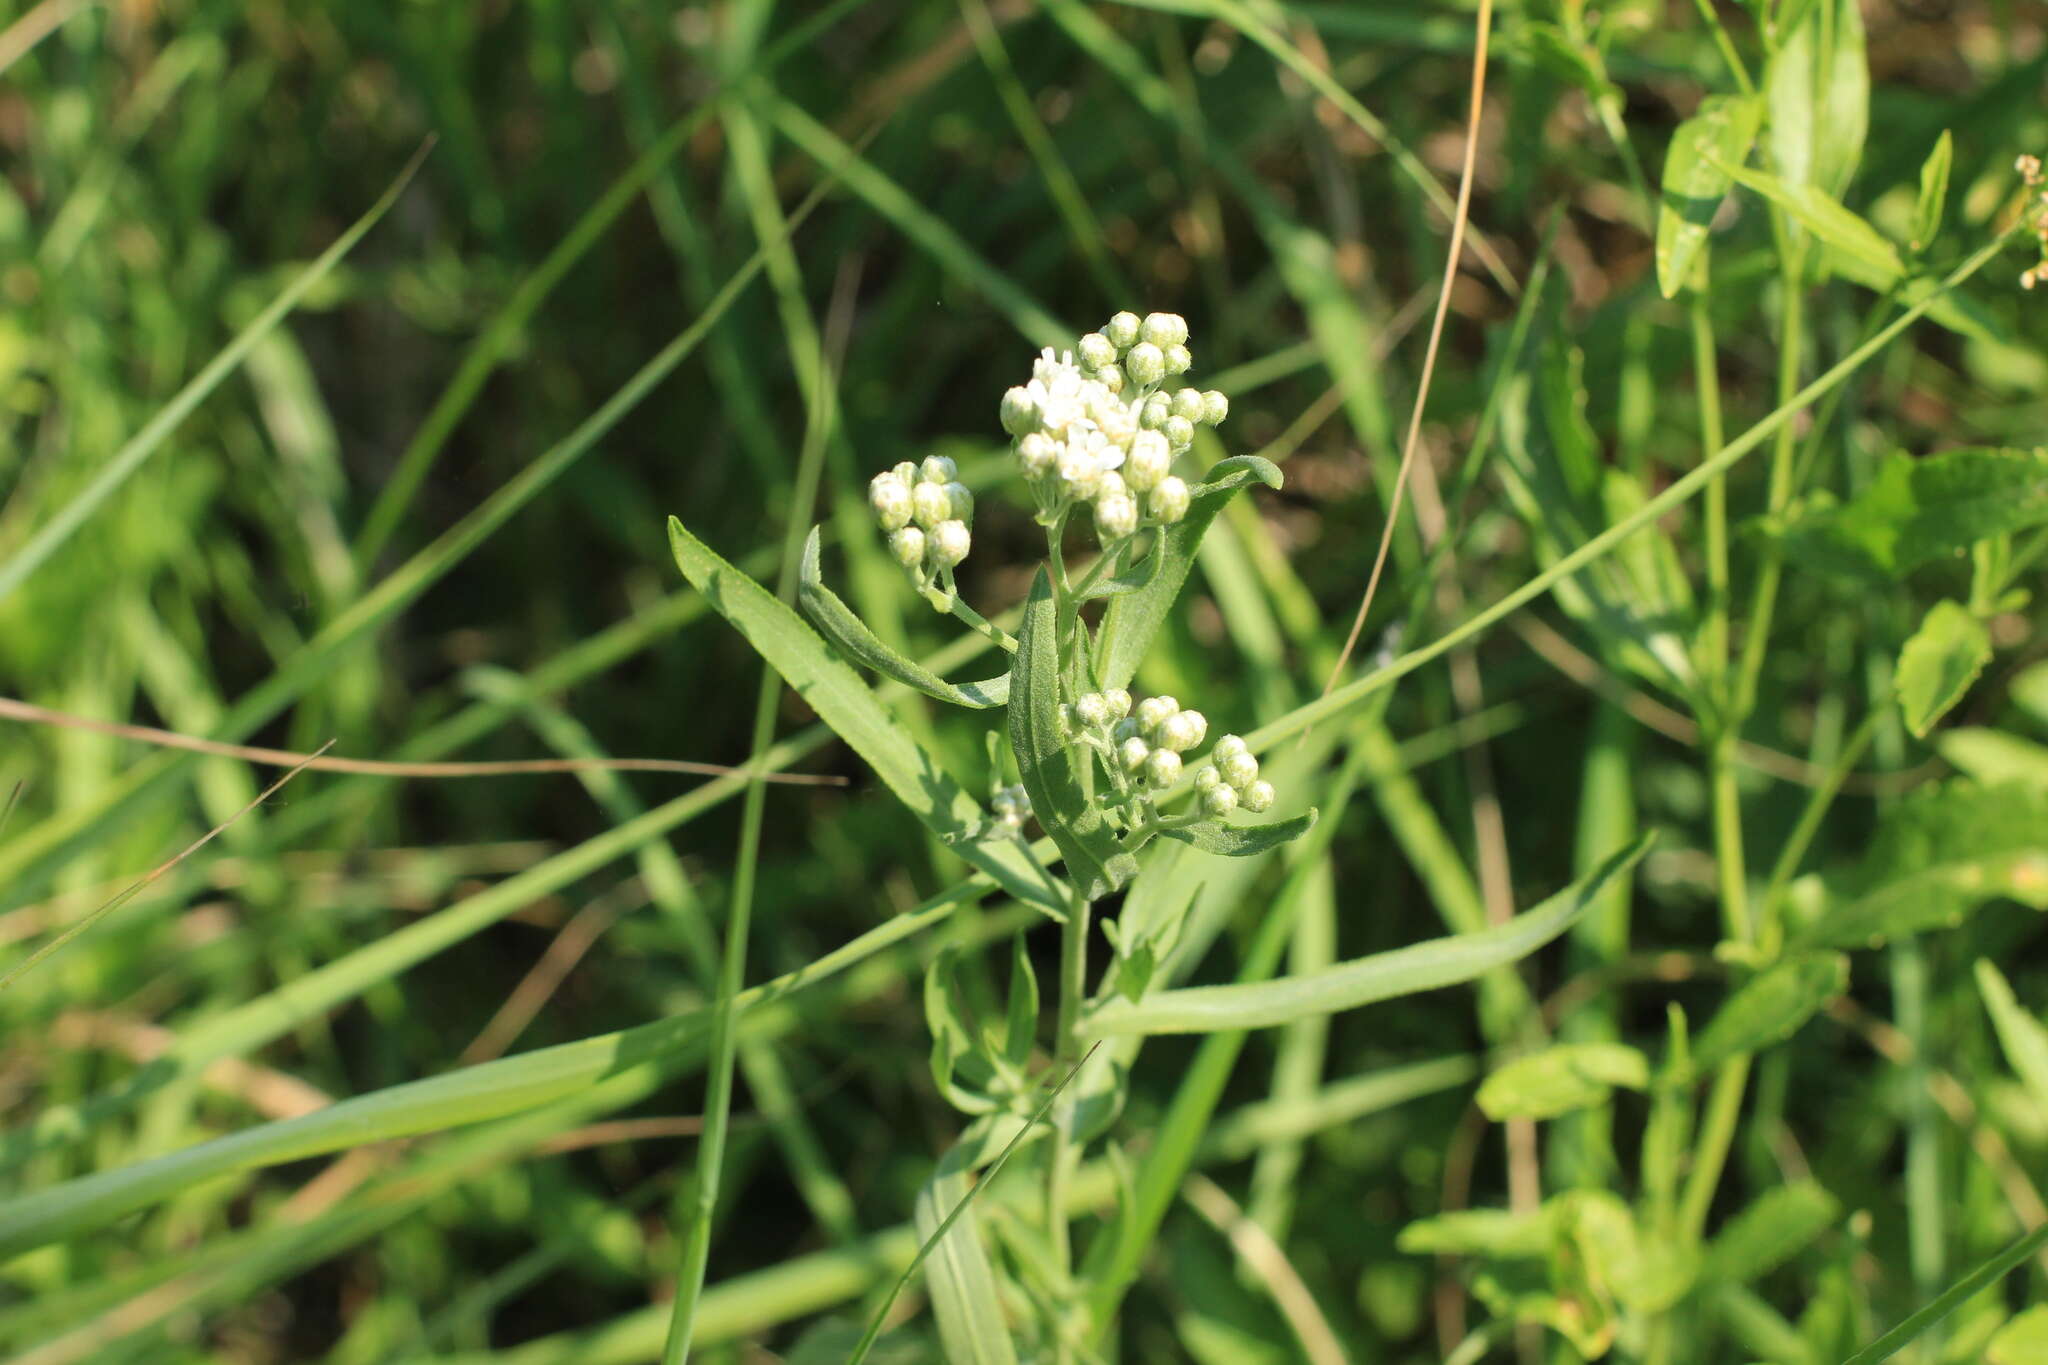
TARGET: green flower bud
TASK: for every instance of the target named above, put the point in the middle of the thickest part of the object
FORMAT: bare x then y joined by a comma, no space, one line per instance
938,469
1037,452
1116,516
1095,351
1215,407
1148,461
929,505
1258,797
1019,413
1164,329
1111,377
1153,415
906,546
1207,777
1134,752
1092,708
1153,710
1162,769
1180,433
1228,745
1179,360
1219,801
905,471
950,542
1119,702
1122,330
1169,501
890,500
1188,403
1146,364
1240,769
1182,731
962,502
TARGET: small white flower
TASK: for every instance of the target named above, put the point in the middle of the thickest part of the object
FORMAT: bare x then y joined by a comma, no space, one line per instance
1148,461
1239,769
950,542
1164,329
1037,452
1219,801
1183,731
1146,364
1116,516
1092,708
1078,472
1258,797
1134,752
1179,360
1215,407
1162,769
1169,501
930,504
1122,330
906,545
1096,350
890,499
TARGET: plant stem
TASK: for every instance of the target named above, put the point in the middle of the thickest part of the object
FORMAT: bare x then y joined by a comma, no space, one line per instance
1067,1051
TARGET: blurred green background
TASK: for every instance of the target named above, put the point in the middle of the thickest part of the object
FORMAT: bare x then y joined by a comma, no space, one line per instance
372,532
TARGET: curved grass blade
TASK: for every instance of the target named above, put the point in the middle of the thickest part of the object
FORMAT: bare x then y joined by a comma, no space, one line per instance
1362,981
851,637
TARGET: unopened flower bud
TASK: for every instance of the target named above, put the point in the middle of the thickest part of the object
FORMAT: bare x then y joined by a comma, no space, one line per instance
1180,433
1188,403
1121,330
1153,710
905,471
1169,501
1119,702
950,542
1019,413
906,546
1134,752
1239,769
1164,329
1095,350
929,504
1146,364
1092,708
1037,453
1162,769
1215,407
1183,730
1179,360
938,469
1116,516
1206,777
891,501
1111,377
1228,745
1219,801
962,501
1258,797
1148,461
1110,484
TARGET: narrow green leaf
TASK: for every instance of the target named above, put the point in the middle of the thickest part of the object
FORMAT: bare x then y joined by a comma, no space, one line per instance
1952,1298
2020,1033
1362,981
1241,841
851,637
1135,617
961,1280
1919,510
1824,215
1937,666
845,703
1021,1031
1994,756
1560,1079
1777,1226
1933,191
1493,1233
1770,1007
1938,854
1696,180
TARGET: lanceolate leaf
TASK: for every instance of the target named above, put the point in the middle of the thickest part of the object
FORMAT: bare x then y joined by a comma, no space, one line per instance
1095,860
1938,854
1557,1080
1384,976
1939,663
1778,1226
1241,841
1696,179
1770,1007
1919,510
843,701
1132,619
1933,191
851,637
1818,84
2020,1033
1820,212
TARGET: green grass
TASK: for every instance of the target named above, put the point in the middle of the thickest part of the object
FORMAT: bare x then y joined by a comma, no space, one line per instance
311,436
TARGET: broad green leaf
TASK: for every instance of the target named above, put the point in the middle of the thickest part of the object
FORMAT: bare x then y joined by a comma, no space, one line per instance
1241,841
1770,1007
1135,617
1937,666
1994,756
851,637
1933,191
1362,981
1818,85
1696,180
1938,853
2022,1341
1824,215
1096,861
1562,1078
1778,1225
1919,510
961,1281
832,689
2020,1033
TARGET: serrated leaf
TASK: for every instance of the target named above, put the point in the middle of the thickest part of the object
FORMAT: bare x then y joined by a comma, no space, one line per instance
1022,1022
832,689
1933,200
851,637
2021,1341
1818,84
1778,1225
1095,860
1818,211
1770,1007
1994,756
1919,510
1696,179
1362,981
1937,666
1241,841
1939,853
1560,1079
2020,1033
1132,619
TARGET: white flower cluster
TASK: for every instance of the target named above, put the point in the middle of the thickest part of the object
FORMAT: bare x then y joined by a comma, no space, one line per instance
1095,425
2029,168
1012,806
1146,743
926,512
